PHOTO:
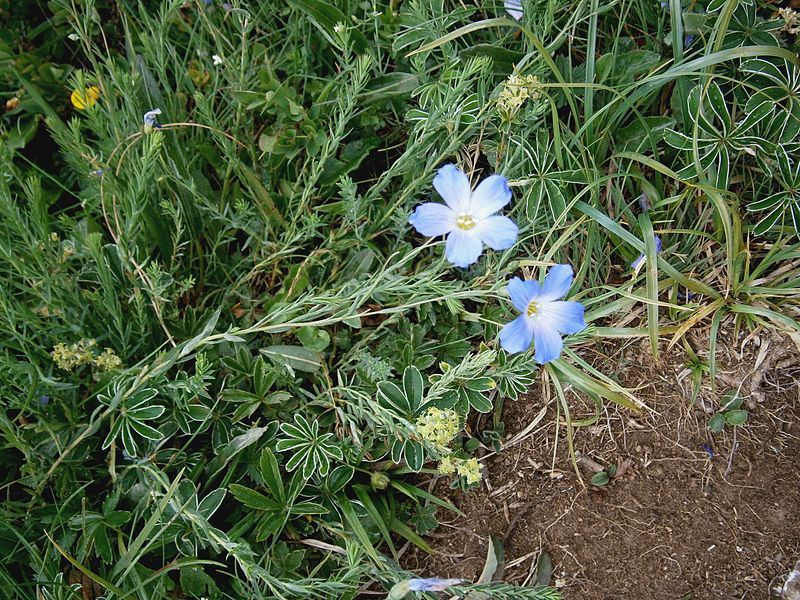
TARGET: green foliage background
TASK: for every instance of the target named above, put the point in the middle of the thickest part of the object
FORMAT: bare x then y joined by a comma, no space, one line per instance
278,325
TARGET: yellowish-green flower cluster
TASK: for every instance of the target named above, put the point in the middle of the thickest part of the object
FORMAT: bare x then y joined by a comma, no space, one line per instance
72,357
438,427
447,466
80,353
107,360
469,469
516,91
791,20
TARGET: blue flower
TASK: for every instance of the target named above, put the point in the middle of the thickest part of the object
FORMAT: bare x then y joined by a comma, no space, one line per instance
434,584
467,217
514,8
643,258
545,317
150,119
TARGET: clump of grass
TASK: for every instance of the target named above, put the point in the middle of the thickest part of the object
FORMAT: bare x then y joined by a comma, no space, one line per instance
269,333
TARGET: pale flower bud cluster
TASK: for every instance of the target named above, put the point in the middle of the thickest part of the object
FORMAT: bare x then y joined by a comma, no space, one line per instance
517,90
791,20
80,353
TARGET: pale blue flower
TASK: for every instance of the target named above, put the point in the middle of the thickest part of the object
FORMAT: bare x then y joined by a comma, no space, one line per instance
467,217
643,258
434,584
150,119
514,8
545,317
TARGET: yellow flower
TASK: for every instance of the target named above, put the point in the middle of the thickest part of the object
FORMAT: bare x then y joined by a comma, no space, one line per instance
447,466
71,357
108,360
471,470
438,427
516,90
83,99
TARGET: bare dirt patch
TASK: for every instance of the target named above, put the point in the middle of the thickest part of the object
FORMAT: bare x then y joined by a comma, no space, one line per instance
685,517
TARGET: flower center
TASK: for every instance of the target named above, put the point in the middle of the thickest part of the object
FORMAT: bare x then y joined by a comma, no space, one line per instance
533,309
465,221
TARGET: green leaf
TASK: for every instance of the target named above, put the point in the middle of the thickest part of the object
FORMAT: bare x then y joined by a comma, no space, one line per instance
313,338
296,357
308,508
415,455
346,507
736,417
495,556
503,59
272,475
731,399
209,505
395,83
327,16
392,398
544,569
380,521
478,401
481,384
600,479
338,478
252,498
236,445
195,582
717,423
413,387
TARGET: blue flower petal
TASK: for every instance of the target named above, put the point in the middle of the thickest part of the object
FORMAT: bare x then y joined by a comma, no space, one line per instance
433,219
150,117
643,257
432,584
463,248
514,8
547,341
556,283
497,232
453,187
522,292
491,195
566,317
517,336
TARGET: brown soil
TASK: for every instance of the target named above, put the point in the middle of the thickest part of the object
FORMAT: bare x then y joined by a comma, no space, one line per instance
686,516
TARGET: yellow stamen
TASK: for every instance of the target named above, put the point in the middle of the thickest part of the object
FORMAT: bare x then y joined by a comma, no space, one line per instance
533,308
465,222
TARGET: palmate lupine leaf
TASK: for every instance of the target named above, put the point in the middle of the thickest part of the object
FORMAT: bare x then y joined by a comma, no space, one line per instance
130,421
783,205
311,451
718,140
